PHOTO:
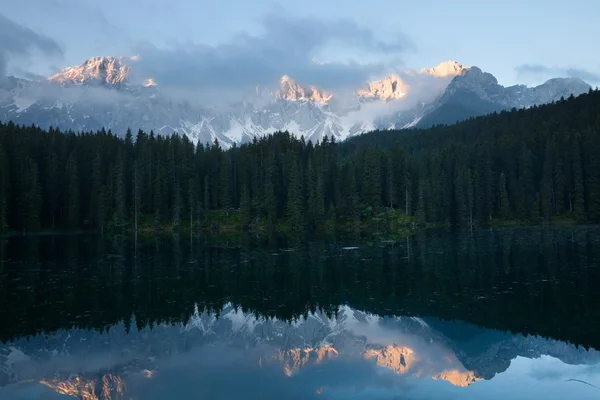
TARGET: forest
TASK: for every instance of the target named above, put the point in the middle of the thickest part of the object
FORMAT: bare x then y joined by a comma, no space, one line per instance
536,165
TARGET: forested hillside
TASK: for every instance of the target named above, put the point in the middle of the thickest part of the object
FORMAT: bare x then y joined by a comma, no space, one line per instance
529,166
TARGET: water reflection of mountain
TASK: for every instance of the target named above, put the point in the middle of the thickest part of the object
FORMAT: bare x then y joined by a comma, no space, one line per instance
528,281
82,292
117,364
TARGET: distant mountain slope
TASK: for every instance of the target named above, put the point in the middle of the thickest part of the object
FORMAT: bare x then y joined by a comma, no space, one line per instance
475,93
106,92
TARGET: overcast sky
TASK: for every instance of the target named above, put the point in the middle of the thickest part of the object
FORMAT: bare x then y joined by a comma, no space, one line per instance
330,43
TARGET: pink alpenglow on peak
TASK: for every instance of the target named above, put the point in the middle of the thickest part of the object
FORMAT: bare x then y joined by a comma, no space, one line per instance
290,90
109,70
392,87
150,82
445,69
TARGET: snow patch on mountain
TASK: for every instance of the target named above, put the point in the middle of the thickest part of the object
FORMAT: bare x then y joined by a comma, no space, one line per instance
100,93
290,90
445,69
392,87
103,70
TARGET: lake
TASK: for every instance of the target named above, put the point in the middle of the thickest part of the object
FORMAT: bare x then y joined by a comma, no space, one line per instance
495,314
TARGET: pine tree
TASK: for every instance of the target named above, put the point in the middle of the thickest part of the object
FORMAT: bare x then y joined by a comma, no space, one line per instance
120,208
421,204
4,194
225,183
192,201
73,200
526,192
97,206
270,200
592,176
100,212
559,179
137,193
460,197
160,195
576,198
547,199
315,201
371,178
294,211
470,197
390,183
246,205
353,201
503,200
52,189
177,207
206,192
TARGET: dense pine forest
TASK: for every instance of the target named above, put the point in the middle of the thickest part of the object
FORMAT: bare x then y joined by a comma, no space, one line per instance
524,166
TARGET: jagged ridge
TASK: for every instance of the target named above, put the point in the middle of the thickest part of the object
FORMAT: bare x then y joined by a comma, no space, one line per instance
69,101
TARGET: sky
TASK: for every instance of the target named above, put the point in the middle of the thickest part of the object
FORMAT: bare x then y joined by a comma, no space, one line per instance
334,44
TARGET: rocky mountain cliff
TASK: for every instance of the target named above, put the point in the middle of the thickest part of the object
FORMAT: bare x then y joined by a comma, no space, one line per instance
474,93
104,92
112,71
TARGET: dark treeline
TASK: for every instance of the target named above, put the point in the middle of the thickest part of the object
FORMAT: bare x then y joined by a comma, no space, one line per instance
527,165
532,281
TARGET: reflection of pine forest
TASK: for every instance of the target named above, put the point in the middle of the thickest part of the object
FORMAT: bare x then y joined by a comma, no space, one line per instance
527,166
526,280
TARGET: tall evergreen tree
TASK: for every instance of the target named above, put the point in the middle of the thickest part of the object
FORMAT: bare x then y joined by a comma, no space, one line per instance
503,200
160,195
4,194
547,194
52,189
73,200
294,209
371,177
119,191
225,182
576,196
97,206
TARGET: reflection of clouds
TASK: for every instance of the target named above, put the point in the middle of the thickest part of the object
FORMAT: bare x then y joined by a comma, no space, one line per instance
352,356
554,369
30,391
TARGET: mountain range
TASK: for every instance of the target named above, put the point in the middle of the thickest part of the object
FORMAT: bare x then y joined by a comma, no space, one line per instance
100,365
106,92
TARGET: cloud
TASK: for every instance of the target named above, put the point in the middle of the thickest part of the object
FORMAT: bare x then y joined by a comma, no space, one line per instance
287,45
20,41
538,70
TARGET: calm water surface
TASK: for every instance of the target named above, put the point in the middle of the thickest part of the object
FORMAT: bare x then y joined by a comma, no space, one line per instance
496,314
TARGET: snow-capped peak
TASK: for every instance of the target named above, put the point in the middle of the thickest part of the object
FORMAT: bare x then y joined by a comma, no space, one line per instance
104,70
391,87
445,69
150,82
290,90
406,99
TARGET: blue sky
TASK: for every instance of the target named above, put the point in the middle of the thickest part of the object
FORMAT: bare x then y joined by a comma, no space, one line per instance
241,42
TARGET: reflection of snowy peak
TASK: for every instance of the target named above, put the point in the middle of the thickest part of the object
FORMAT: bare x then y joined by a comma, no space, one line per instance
117,360
101,93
